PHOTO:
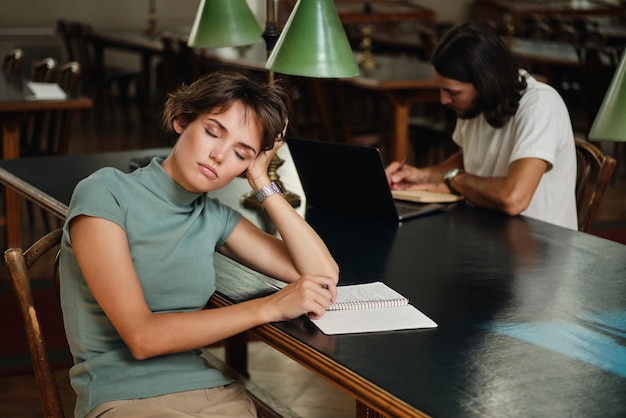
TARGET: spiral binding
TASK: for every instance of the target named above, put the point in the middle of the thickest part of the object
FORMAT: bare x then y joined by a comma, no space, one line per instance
368,304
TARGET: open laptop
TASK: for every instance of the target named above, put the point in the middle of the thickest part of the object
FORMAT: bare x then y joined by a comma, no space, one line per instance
349,178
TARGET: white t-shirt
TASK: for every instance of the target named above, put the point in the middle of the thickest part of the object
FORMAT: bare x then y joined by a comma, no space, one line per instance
541,128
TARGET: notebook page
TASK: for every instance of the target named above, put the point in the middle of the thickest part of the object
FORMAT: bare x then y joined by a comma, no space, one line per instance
373,320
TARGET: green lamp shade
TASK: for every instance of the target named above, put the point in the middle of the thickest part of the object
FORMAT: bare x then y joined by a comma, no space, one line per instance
313,43
610,123
221,23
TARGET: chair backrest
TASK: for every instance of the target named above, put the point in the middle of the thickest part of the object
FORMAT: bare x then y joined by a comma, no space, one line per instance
537,30
47,132
35,128
43,70
56,141
429,41
599,64
79,47
564,32
172,70
18,264
69,77
13,61
594,171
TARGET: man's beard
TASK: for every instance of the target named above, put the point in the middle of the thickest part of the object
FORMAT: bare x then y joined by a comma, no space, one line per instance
470,113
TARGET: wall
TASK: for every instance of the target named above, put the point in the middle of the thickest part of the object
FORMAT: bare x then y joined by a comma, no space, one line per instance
29,24
132,13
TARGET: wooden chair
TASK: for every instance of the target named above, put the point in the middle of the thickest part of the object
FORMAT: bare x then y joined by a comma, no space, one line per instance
69,78
536,29
599,64
429,41
47,132
18,264
97,82
564,32
36,127
13,61
329,110
43,70
594,171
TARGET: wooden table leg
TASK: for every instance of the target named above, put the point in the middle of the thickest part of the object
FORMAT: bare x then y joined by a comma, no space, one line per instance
400,142
236,354
11,149
401,102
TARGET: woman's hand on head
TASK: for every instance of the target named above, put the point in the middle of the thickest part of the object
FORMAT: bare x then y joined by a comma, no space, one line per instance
257,170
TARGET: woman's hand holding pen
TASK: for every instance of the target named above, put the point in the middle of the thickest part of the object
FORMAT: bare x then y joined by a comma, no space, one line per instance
309,295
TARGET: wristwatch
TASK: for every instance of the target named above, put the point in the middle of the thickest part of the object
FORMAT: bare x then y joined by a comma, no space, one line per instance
266,191
449,176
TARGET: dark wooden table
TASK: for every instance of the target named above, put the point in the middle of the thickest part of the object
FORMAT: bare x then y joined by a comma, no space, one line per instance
532,317
17,103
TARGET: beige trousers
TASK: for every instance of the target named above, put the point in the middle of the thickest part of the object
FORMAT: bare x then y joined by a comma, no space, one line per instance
227,401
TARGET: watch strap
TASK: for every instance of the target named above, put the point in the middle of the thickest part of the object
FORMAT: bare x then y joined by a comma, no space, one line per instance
267,191
449,176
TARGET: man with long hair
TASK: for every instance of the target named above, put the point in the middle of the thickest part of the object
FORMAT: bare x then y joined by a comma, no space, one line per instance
517,152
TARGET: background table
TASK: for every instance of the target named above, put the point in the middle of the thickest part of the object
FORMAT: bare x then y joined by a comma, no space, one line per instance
16,104
532,317
403,81
518,10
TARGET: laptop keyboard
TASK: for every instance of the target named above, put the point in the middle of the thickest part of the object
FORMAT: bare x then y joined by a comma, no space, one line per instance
405,208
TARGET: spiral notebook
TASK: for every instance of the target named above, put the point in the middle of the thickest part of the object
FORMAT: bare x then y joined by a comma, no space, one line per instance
371,307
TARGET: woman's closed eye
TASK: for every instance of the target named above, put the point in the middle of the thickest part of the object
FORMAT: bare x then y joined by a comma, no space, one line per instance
211,133
239,155
244,151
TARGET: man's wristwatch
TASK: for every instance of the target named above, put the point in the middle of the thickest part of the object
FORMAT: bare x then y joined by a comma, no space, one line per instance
266,191
449,176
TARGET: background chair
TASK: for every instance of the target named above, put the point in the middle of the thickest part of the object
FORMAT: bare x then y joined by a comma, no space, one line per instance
18,264
594,171
35,127
599,64
56,142
48,132
99,83
43,70
13,61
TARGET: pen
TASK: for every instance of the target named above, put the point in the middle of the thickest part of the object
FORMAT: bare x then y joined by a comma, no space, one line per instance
401,166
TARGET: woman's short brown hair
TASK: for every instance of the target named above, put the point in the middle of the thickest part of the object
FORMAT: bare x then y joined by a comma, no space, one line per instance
217,91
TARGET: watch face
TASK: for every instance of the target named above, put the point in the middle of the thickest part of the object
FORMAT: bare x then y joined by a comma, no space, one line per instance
450,174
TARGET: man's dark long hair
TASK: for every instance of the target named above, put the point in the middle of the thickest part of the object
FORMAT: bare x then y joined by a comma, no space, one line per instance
475,53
